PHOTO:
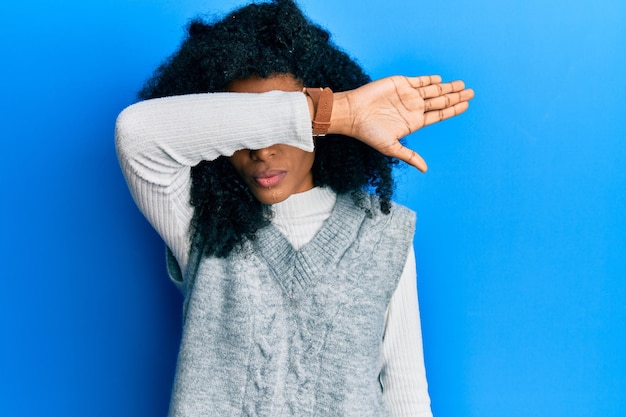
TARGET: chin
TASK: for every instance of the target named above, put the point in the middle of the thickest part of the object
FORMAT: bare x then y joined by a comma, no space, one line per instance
271,196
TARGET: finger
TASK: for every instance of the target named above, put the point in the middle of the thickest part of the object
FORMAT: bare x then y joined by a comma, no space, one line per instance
435,116
448,100
409,156
423,81
437,90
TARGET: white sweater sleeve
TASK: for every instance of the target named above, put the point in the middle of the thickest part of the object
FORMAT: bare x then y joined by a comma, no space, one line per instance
403,377
158,141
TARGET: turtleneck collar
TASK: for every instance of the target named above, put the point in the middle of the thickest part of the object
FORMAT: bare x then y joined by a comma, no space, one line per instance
302,215
312,203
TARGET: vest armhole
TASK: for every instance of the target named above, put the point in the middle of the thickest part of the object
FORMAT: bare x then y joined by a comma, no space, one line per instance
173,269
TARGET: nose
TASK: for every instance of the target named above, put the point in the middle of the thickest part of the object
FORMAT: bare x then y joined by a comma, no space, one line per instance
263,154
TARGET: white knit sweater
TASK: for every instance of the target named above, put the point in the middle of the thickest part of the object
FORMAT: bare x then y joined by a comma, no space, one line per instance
158,141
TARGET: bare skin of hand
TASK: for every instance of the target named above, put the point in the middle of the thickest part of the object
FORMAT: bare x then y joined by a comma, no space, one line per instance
384,111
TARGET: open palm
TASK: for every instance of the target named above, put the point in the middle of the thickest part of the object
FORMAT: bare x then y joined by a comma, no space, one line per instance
384,111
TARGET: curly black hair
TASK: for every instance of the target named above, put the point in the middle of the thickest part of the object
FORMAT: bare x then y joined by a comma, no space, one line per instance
265,39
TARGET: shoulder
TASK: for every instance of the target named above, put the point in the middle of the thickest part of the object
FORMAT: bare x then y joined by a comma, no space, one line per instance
396,226
398,213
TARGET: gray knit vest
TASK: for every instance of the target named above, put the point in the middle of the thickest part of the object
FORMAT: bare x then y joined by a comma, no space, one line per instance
272,332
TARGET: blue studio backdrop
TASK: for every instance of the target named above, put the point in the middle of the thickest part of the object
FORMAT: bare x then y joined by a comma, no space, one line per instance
521,238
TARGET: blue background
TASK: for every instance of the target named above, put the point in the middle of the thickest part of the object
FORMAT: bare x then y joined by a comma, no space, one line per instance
521,241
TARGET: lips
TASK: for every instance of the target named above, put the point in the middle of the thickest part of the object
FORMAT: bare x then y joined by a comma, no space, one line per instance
270,178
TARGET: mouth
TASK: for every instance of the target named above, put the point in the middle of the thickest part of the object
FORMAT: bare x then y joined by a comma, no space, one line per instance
268,179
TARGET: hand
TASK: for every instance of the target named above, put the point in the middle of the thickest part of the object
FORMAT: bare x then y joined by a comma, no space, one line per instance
384,111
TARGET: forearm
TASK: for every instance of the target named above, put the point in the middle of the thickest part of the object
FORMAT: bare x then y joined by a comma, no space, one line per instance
171,132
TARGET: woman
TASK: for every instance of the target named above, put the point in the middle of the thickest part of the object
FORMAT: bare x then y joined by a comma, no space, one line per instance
297,270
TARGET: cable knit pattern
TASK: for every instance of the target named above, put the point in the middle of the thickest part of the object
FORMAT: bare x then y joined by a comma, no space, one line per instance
274,331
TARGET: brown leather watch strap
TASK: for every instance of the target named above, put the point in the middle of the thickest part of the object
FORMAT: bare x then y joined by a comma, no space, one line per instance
323,108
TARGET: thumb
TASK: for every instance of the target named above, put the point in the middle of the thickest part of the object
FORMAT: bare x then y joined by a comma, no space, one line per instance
409,156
